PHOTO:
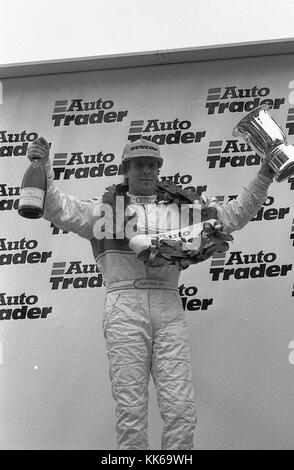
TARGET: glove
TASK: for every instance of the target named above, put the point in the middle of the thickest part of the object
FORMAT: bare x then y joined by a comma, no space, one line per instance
39,149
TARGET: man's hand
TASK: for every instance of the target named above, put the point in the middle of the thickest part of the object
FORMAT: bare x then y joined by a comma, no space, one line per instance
39,149
266,170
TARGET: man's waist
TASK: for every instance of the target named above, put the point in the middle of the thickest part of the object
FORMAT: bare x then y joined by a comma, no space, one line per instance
143,283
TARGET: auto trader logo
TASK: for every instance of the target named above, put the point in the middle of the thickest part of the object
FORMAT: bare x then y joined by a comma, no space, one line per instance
235,100
75,275
79,166
189,300
21,307
291,181
22,251
240,266
290,121
164,132
15,144
292,232
231,153
79,112
60,106
9,197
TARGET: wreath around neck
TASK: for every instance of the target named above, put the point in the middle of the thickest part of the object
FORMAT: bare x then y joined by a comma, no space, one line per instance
166,191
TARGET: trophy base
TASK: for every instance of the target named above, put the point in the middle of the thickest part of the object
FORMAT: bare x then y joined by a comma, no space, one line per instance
285,173
282,162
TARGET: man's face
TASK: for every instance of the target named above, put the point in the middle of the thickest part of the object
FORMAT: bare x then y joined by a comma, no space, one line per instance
142,176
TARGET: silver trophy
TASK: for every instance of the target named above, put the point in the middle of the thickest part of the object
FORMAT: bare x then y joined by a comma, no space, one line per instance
267,138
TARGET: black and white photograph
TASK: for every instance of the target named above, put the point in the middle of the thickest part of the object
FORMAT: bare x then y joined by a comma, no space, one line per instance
146,228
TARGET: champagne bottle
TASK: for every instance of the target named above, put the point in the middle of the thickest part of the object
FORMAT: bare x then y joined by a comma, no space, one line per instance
33,190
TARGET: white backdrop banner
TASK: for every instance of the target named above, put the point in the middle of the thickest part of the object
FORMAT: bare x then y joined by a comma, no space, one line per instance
54,384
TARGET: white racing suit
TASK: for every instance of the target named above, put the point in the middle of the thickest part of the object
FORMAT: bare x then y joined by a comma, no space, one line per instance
144,322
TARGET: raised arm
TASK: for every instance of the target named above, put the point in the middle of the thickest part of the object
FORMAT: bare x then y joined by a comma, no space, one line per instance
238,212
65,211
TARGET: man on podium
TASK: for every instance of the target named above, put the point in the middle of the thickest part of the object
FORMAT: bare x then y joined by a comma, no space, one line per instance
144,324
